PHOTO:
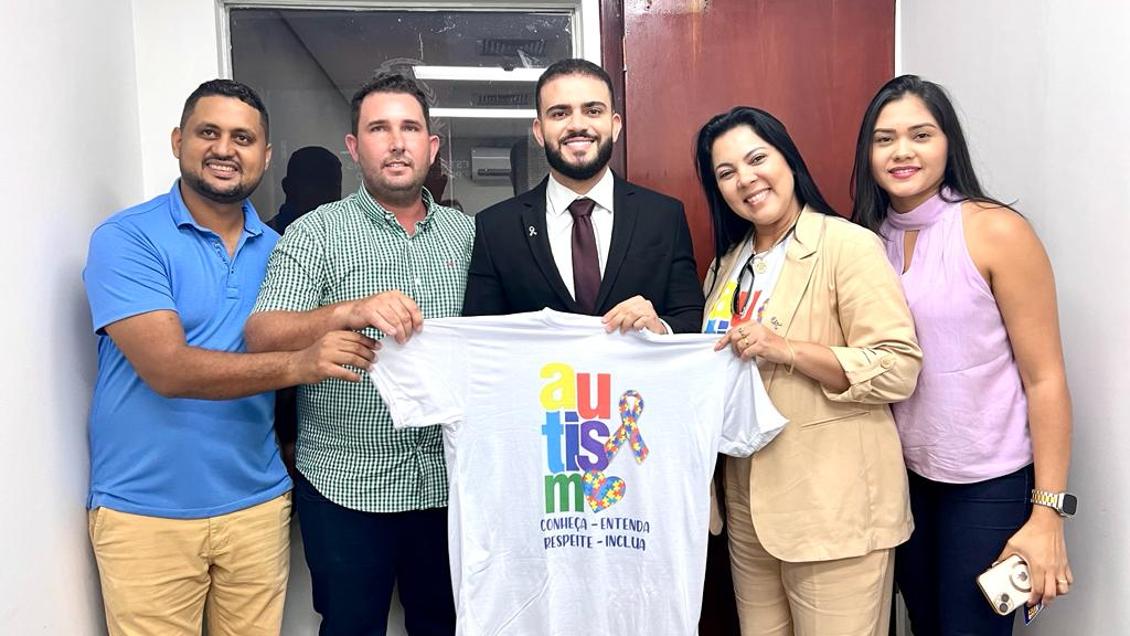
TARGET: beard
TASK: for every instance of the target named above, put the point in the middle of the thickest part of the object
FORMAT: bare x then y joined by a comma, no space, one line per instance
232,194
582,171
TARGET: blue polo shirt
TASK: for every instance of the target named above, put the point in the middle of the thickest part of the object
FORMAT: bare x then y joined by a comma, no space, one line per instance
166,457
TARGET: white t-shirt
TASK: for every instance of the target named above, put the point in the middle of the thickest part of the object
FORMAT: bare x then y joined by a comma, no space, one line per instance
579,465
720,318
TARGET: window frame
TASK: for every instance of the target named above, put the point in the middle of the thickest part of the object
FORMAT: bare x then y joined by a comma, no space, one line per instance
584,17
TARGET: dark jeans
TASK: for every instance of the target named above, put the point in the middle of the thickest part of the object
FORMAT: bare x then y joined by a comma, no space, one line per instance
959,530
355,557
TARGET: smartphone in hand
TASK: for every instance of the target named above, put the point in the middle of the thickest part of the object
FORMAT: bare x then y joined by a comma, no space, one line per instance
1006,585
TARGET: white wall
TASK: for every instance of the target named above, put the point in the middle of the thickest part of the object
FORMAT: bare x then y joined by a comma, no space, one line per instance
1043,91
177,46
69,119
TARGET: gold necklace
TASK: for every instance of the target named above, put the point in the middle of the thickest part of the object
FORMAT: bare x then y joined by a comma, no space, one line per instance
760,259
759,264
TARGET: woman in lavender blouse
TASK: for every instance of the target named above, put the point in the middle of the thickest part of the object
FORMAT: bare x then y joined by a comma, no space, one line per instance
988,430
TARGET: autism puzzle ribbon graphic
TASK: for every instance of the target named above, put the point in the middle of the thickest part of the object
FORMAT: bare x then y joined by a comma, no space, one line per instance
629,430
602,491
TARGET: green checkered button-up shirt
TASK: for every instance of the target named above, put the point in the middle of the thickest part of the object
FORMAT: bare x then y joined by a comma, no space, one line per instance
346,250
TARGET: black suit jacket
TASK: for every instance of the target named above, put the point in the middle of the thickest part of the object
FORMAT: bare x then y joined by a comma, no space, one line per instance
512,267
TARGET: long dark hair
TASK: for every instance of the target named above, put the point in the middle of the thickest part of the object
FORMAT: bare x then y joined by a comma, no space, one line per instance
729,228
871,201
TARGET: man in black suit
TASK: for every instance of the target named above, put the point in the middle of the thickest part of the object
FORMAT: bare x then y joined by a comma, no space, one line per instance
585,241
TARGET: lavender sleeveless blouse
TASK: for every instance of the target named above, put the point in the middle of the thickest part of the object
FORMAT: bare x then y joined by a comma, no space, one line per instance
968,419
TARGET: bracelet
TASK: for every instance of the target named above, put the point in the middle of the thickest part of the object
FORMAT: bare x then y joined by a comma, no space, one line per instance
792,356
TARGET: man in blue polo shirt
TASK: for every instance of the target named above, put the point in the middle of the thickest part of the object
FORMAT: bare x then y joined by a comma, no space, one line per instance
189,501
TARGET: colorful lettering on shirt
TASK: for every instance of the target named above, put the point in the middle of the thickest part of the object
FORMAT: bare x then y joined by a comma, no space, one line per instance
721,318
564,567
578,445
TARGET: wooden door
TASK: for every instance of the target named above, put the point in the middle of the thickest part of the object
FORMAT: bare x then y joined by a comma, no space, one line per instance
814,64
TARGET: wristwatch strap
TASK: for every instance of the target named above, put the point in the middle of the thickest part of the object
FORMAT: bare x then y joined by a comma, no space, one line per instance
1046,498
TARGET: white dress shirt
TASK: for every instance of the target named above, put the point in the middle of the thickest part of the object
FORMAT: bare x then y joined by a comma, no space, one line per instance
559,223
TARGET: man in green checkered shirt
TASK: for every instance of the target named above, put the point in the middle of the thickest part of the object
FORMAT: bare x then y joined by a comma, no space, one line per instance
371,500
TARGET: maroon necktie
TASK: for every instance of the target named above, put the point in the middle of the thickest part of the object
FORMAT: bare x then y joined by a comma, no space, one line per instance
586,264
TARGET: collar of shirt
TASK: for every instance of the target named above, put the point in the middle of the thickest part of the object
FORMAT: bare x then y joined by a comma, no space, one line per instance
182,217
558,197
377,212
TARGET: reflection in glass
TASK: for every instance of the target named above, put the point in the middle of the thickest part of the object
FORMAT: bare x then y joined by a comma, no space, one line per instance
478,67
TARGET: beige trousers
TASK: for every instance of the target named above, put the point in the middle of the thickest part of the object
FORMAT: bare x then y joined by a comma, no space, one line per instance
844,597
158,575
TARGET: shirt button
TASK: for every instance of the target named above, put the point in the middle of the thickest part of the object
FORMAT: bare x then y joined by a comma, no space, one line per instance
887,362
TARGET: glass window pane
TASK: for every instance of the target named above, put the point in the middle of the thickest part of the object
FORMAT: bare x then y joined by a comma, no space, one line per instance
478,67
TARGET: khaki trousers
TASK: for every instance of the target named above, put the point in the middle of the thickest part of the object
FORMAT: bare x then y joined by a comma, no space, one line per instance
158,575
844,597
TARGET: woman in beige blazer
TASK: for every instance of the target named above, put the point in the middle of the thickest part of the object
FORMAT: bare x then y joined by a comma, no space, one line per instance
811,299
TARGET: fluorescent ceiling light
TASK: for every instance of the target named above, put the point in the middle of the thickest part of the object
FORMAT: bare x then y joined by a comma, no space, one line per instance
477,73
485,113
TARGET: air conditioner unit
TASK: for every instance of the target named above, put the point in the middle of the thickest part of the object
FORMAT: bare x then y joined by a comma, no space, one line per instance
490,165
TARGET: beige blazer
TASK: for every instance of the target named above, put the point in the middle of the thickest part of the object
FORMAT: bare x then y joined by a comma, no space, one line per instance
833,484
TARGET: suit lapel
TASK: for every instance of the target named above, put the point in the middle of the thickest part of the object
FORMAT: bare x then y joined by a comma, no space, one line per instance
715,283
800,262
533,228
624,216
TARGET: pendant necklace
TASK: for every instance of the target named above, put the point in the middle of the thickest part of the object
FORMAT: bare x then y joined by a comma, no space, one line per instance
760,259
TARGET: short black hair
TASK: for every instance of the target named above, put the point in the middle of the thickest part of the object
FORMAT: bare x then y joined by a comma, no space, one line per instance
573,66
389,83
227,88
